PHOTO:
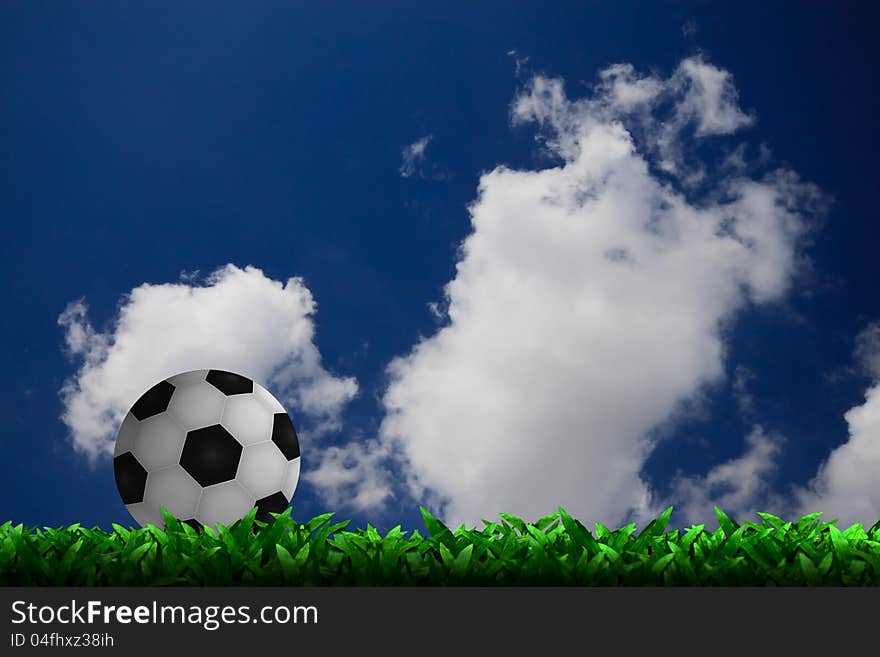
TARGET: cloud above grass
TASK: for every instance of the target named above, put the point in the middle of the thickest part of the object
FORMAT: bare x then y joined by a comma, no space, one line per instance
741,487
355,475
237,319
589,302
846,486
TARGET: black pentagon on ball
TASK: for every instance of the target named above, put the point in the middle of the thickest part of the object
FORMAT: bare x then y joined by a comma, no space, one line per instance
274,503
210,455
131,478
153,401
229,383
284,435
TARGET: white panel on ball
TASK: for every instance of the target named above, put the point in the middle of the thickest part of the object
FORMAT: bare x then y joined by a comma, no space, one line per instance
246,419
187,378
174,489
224,503
158,442
268,399
145,515
291,477
262,469
196,406
125,437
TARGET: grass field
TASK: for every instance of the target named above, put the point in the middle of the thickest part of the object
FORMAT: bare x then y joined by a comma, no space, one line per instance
556,550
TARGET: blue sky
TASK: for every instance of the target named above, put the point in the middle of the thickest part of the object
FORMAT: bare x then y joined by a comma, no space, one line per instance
141,147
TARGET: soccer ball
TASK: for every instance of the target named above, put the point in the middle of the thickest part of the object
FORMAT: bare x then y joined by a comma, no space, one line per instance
209,446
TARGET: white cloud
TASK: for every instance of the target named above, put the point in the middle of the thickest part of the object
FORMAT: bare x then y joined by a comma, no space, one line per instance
868,349
627,90
413,155
698,98
740,487
239,320
736,159
710,98
845,486
587,305
703,98
353,475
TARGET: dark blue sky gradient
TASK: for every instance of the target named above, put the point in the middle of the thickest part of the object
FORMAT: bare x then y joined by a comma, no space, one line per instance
137,143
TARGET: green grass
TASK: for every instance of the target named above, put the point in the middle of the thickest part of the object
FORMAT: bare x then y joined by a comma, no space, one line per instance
555,550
